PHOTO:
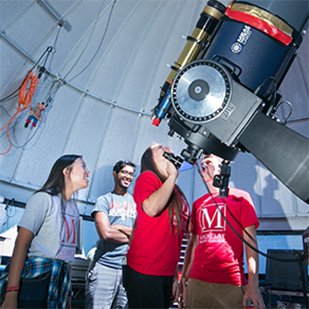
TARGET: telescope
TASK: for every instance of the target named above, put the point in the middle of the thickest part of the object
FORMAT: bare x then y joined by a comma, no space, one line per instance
221,95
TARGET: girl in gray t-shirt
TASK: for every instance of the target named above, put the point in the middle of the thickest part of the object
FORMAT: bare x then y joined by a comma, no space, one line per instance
47,234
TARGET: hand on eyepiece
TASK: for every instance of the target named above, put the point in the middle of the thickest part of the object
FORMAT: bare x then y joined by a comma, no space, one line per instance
171,170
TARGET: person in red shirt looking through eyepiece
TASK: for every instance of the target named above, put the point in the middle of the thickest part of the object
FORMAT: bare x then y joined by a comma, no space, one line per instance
213,265
151,270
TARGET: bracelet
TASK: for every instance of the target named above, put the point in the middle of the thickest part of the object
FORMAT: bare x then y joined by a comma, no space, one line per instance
12,288
71,293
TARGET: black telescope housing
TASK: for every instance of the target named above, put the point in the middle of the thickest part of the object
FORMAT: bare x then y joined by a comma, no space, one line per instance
221,96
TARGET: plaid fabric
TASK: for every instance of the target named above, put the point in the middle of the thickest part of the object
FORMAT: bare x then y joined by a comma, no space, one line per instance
59,282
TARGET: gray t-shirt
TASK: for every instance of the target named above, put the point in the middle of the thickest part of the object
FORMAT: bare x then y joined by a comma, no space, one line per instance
120,210
54,229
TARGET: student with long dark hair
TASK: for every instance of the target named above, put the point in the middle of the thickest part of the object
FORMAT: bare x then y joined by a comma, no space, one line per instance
162,217
47,234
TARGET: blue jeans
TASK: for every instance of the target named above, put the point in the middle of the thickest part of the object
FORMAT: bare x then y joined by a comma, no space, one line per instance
104,288
145,291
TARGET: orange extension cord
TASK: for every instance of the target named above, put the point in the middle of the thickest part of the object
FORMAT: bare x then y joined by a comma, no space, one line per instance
25,97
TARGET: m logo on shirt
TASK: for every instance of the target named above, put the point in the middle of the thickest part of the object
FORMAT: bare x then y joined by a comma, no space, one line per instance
69,237
211,219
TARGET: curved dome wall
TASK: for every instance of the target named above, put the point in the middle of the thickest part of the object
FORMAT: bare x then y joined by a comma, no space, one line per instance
102,79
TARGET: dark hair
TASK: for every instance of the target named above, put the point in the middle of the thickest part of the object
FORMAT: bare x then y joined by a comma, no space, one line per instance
174,202
55,182
121,164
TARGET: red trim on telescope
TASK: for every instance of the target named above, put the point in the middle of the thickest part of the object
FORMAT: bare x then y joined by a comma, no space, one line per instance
259,24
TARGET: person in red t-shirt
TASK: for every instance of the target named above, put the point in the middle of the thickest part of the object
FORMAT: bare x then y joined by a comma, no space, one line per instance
213,265
151,272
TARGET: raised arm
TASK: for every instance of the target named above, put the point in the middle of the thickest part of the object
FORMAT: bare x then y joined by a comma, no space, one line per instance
156,202
252,292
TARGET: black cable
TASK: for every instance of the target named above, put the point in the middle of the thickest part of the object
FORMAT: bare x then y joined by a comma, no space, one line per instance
299,260
52,92
5,111
42,68
14,92
238,235
101,42
48,49
28,139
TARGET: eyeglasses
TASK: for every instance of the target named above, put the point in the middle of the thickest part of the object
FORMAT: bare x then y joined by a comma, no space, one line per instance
124,172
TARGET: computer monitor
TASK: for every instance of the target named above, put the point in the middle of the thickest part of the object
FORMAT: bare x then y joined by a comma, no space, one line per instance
284,275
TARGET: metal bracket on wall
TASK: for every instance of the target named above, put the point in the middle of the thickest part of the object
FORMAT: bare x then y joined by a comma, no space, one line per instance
49,9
